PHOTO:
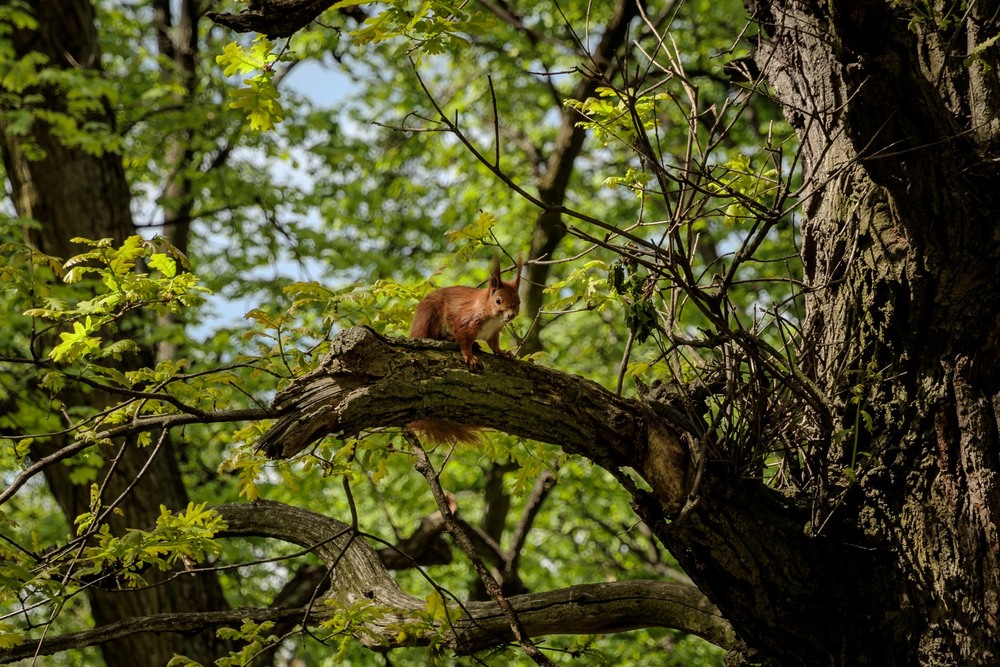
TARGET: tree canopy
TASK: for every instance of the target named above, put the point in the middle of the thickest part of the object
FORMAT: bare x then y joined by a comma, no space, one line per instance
755,381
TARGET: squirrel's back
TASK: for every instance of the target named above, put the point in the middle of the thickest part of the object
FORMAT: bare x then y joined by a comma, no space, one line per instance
437,312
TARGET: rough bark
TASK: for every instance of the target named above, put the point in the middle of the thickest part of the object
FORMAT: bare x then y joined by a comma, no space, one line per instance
900,129
281,18
74,193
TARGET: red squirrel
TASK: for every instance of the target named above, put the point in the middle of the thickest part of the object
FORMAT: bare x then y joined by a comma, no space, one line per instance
465,315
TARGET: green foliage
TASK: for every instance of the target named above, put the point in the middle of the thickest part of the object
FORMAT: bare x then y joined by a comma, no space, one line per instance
977,54
20,102
349,618
254,637
9,637
636,293
182,537
433,28
323,218
619,115
749,193
260,98
861,392
125,289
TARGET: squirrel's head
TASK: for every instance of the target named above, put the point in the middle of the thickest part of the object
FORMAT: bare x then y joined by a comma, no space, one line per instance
503,298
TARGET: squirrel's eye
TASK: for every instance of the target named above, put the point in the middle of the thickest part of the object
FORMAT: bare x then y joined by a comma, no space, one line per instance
498,301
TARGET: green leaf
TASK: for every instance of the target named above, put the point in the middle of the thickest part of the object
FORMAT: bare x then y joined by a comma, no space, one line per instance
115,351
77,344
436,607
977,53
9,637
641,319
239,60
260,101
164,264
122,260
477,230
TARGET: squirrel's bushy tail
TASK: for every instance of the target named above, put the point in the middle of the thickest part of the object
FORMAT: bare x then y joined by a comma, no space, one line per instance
444,432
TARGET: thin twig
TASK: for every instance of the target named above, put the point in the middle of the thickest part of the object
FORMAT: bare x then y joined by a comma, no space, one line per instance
496,123
624,364
424,467
136,426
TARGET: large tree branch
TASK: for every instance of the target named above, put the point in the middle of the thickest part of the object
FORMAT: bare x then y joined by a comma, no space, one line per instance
357,574
281,18
367,381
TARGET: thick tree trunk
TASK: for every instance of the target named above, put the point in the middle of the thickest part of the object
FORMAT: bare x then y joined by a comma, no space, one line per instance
74,193
896,559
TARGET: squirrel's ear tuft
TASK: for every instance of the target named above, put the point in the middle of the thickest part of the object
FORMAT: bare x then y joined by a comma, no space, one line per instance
495,272
517,280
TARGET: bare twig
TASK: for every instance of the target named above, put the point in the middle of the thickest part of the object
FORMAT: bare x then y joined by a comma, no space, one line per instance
136,426
424,467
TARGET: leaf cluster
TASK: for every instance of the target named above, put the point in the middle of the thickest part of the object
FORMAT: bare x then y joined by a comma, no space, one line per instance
125,290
